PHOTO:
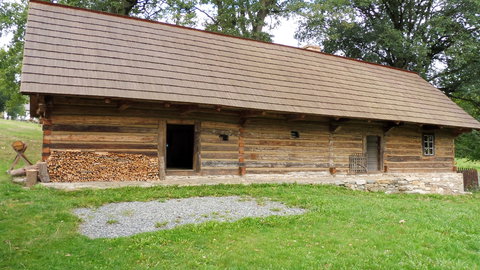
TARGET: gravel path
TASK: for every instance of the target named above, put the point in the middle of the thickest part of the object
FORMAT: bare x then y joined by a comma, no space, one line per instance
129,218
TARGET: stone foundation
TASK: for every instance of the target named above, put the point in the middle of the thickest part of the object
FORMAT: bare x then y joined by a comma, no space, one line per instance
419,183
428,183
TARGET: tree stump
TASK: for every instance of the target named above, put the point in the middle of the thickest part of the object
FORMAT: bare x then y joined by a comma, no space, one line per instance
32,176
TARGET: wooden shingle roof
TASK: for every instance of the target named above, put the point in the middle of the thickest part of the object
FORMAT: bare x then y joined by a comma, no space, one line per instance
74,51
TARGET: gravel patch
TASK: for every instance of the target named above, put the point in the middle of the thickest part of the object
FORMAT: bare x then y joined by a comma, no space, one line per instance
129,218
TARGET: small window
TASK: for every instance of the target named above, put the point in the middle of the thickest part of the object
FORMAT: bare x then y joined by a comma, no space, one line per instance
428,144
224,137
294,134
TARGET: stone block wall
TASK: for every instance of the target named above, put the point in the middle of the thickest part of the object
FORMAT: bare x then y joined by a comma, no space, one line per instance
419,183
414,183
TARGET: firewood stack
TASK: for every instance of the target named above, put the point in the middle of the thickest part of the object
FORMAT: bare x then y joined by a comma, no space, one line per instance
76,166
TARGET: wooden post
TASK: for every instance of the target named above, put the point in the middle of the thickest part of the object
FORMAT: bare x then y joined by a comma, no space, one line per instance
162,144
197,160
47,131
381,162
31,177
242,169
331,163
43,172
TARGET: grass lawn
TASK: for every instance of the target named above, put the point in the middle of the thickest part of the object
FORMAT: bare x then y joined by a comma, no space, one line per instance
343,229
465,163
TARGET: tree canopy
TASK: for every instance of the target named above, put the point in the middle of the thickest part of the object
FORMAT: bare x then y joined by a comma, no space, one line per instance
12,20
439,39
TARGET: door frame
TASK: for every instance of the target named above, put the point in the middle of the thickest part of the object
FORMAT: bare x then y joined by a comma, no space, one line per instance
381,145
162,148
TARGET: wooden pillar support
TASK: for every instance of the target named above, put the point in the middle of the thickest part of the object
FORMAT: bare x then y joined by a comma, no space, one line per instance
242,169
331,163
162,148
197,159
334,126
47,131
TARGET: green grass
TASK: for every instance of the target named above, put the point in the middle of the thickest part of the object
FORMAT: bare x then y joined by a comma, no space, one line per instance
161,224
29,133
343,229
112,221
466,163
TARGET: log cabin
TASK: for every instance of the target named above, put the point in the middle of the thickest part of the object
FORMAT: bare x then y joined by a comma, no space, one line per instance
205,104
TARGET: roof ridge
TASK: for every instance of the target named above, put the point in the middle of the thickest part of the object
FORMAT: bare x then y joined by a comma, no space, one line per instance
216,33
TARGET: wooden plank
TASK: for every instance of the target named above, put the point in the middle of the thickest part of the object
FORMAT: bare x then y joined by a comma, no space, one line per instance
105,120
151,153
180,172
278,164
221,148
220,171
97,128
162,148
220,155
59,137
290,142
181,121
416,158
100,146
220,163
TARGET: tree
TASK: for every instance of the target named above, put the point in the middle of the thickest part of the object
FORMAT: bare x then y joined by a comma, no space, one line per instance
179,12
409,34
12,20
244,18
439,39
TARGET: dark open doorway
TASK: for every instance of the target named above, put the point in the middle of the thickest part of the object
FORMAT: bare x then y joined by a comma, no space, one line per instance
180,141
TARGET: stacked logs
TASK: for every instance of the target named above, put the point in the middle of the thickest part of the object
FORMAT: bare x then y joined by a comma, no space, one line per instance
76,166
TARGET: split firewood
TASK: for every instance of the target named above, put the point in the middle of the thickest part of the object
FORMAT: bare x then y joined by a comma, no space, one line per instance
74,166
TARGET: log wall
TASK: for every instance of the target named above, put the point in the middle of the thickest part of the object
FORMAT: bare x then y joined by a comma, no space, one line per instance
90,125
404,152
270,148
256,145
350,139
219,156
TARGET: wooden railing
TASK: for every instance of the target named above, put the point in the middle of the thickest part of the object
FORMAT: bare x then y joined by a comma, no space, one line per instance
470,178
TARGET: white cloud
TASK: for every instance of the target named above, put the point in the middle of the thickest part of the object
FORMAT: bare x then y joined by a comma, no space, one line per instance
4,40
285,31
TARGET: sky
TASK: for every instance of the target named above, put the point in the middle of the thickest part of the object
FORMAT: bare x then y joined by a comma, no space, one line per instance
282,34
